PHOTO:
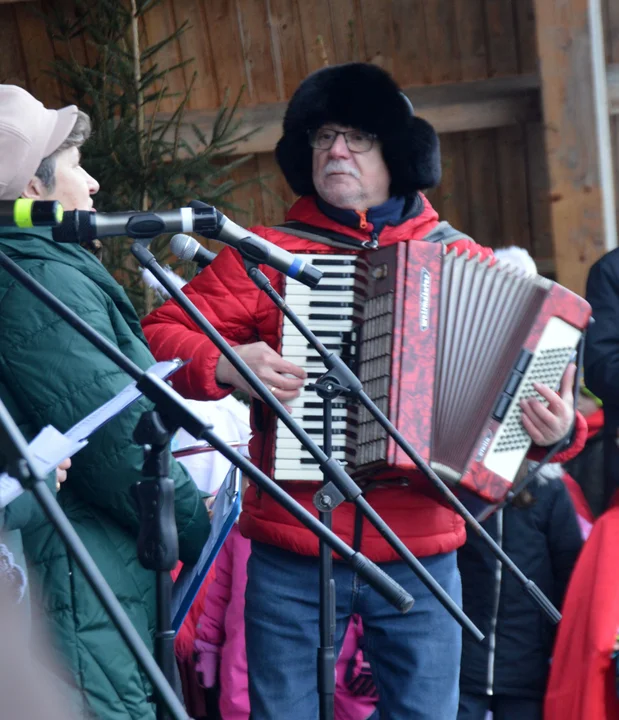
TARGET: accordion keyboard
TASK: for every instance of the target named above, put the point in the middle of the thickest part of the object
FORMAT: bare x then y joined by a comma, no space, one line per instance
332,311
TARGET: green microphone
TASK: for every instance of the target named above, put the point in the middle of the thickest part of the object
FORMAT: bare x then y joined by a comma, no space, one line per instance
24,213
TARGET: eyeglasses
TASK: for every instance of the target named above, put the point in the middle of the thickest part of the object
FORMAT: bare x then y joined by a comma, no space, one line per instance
357,141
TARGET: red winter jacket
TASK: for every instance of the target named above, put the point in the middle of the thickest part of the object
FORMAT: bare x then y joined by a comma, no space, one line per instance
242,314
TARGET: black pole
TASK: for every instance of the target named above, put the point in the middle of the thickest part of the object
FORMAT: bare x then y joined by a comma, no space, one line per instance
326,649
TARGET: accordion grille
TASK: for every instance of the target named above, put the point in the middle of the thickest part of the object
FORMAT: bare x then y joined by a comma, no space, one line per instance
484,318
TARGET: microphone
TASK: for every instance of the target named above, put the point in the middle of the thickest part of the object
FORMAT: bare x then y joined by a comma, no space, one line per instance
83,226
24,213
257,249
188,248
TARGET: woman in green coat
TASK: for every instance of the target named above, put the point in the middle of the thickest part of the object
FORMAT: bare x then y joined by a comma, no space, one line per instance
50,375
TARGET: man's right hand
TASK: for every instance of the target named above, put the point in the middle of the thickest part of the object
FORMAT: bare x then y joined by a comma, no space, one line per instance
269,366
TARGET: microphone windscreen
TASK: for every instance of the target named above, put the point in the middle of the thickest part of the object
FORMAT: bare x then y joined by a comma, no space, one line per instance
184,246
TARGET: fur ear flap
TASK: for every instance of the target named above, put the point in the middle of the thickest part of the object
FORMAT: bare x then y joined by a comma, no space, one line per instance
359,95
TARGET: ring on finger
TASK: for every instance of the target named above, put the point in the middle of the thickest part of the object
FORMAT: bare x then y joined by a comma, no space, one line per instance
272,388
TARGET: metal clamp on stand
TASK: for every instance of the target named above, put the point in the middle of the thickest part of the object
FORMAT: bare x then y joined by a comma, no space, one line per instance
158,538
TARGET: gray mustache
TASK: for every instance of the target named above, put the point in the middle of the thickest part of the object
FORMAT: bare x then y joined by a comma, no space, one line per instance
337,166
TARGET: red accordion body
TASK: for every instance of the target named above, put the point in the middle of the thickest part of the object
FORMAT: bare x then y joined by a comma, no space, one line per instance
445,345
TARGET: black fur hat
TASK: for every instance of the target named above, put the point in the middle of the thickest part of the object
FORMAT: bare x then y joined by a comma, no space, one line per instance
365,97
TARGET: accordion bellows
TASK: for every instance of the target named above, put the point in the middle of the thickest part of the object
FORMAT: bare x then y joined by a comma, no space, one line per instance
446,346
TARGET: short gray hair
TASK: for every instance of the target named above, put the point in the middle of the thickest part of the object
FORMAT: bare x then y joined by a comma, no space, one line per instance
46,172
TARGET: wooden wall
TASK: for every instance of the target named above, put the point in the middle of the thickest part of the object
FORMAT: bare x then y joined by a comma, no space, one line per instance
495,182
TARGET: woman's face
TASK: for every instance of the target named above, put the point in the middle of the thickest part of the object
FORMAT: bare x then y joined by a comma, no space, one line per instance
73,187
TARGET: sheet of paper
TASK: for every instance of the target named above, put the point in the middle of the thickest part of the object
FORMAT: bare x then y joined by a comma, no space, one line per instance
110,409
48,449
50,446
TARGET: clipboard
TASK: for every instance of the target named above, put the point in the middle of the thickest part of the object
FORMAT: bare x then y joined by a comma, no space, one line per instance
226,509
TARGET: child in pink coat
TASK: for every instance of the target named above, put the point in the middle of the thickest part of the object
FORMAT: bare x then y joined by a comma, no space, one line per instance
220,643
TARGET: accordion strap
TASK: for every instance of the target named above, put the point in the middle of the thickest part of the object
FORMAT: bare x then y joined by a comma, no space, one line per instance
443,233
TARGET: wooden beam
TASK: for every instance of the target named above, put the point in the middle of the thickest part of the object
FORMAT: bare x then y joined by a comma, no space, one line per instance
450,108
477,105
575,98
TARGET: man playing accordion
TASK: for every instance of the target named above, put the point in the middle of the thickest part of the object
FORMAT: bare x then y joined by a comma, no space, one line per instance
359,158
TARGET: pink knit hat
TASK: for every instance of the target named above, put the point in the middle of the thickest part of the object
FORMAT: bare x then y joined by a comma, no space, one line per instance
29,132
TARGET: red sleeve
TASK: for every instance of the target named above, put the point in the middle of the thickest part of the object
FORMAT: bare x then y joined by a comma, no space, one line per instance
537,453
473,248
227,298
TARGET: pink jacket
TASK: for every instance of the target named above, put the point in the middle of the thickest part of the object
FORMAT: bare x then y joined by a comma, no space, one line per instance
220,641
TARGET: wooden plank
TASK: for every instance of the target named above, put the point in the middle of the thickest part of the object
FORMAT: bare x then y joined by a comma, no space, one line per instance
12,64
277,196
159,23
411,62
317,33
453,202
244,204
538,191
287,42
513,191
482,171
450,108
256,46
442,42
524,20
33,34
196,43
378,33
502,51
228,61
471,31
509,141
572,65
347,28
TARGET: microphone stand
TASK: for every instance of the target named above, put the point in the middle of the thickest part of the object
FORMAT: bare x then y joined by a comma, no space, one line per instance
340,379
20,465
176,413
329,466
342,487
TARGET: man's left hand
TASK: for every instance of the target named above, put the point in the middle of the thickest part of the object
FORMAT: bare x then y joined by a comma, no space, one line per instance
548,425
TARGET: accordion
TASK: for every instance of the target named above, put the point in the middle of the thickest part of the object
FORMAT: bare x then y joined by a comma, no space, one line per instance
446,345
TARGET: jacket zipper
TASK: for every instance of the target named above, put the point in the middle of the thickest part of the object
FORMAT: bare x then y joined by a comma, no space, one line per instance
495,615
373,244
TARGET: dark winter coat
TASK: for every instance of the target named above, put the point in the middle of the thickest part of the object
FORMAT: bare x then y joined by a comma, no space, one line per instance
50,375
602,358
544,541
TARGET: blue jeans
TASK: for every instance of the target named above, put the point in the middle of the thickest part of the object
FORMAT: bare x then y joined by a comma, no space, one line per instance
415,658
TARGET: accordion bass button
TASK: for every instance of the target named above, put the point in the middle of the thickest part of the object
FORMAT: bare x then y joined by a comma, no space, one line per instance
501,407
512,384
523,361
